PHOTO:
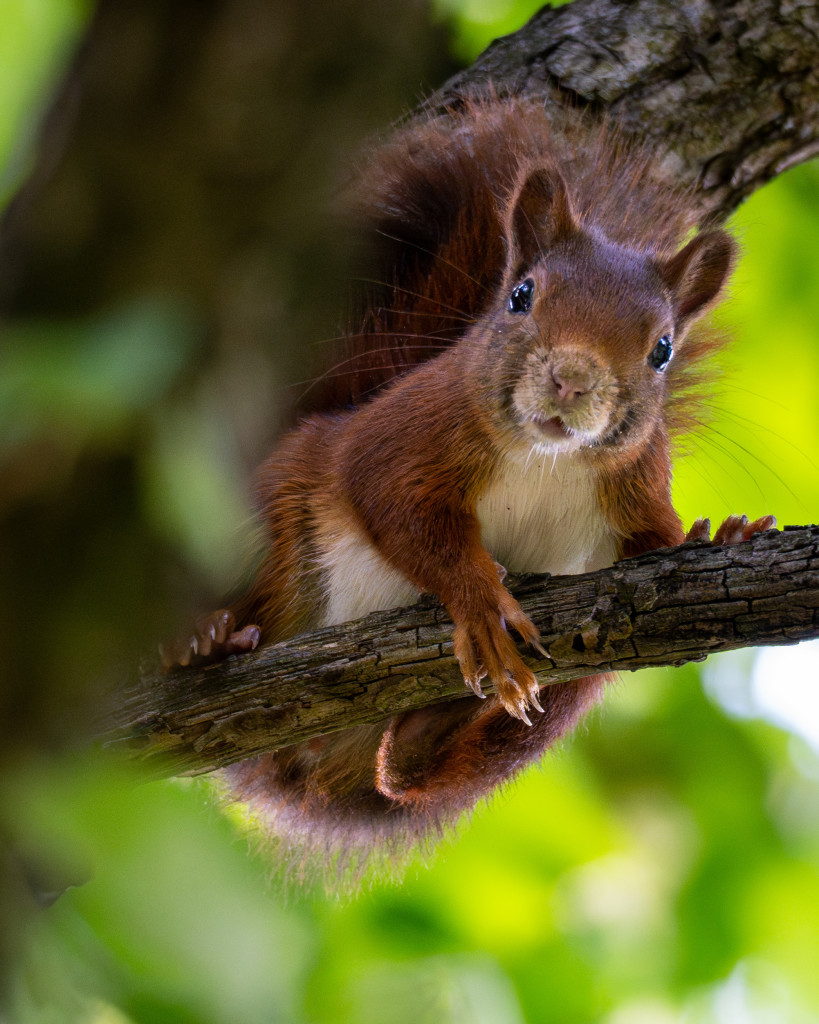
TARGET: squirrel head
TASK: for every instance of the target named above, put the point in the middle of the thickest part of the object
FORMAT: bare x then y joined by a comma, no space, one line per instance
585,332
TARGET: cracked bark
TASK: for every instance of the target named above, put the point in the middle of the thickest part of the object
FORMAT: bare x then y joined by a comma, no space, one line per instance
730,90
667,607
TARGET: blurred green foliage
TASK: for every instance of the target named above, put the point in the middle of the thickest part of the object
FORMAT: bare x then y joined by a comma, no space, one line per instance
662,867
759,452
476,23
35,42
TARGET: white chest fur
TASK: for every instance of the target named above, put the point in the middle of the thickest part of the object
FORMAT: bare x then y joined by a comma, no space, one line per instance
358,579
542,514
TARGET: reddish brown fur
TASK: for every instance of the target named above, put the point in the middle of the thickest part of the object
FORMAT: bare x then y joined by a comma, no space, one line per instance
432,197
460,207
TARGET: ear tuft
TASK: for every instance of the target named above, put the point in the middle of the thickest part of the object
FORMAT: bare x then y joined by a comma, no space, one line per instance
538,215
697,274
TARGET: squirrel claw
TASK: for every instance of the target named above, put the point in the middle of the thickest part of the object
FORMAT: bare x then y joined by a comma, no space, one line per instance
474,685
246,639
216,626
213,638
534,699
733,530
736,529
512,693
701,530
517,709
485,649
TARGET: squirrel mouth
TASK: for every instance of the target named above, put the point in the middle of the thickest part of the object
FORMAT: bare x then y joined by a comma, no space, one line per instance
552,427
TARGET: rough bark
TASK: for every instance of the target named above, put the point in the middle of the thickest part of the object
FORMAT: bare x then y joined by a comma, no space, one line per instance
664,608
731,89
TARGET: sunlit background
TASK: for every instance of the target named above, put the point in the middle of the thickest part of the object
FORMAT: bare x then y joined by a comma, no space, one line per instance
661,867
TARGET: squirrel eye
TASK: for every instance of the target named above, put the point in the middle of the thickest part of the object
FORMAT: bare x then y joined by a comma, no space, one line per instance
520,300
662,353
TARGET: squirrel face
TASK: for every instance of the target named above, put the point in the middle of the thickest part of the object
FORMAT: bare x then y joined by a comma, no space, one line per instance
581,351
588,348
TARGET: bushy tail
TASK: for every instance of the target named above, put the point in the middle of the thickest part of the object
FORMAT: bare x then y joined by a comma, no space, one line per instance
338,805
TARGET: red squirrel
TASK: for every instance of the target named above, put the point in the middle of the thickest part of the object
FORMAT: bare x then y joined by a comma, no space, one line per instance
505,402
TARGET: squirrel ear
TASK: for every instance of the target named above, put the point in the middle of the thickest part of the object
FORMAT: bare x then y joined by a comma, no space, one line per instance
698,272
538,215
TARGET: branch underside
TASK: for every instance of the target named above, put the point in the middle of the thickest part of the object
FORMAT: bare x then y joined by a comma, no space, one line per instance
667,607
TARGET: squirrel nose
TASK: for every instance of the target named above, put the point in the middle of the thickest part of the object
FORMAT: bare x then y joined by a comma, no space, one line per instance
568,387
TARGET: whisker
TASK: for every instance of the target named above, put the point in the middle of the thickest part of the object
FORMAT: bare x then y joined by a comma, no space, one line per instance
337,369
766,431
335,375
416,295
706,477
434,255
443,332
702,439
394,311
727,385
702,436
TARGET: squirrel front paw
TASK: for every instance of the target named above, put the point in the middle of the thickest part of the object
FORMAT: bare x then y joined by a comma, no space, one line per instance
733,530
485,650
212,639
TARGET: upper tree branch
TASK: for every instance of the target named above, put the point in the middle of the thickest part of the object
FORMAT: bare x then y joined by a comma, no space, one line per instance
664,608
731,89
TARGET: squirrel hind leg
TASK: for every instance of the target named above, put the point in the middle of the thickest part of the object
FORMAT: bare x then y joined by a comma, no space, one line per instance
212,639
446,757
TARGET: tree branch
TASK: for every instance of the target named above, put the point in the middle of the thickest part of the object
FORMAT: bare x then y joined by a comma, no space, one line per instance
663,608
731,89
